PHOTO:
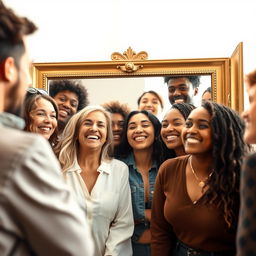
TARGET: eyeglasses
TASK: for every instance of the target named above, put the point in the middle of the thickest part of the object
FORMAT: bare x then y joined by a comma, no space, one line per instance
32,90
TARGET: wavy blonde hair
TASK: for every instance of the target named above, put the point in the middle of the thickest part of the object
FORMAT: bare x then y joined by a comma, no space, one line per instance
68,147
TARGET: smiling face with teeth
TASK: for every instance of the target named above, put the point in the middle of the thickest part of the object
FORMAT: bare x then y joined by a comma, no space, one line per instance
67,102
172,125
93,131
43,118
197,133
140,132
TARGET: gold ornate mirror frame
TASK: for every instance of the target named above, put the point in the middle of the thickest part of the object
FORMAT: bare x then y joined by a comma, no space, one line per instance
226,73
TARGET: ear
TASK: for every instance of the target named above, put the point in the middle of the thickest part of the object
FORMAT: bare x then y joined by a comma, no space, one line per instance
8,70
195,91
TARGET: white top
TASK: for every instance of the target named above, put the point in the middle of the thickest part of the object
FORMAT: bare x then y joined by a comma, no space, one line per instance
108,207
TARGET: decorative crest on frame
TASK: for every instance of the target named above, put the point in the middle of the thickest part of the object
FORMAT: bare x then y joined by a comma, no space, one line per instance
130,56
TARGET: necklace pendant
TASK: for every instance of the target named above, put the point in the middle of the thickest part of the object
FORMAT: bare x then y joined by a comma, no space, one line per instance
201,184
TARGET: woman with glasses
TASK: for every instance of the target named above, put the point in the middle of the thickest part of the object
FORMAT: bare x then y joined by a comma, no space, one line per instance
40,114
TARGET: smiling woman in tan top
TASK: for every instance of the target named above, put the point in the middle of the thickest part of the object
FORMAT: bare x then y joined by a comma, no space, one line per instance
196,198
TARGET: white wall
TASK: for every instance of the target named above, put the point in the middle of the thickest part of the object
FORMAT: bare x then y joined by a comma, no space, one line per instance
86,30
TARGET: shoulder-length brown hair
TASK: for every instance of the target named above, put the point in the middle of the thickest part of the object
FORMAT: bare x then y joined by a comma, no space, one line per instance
30,104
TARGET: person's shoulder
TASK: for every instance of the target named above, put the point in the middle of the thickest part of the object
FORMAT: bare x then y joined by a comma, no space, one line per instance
175,161
250,162
116,164
171,166
16,143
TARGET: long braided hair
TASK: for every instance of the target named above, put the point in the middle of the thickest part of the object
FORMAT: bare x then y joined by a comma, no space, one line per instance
228,153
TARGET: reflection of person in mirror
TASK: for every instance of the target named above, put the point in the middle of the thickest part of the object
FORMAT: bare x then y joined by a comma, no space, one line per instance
99,182
196,197
151,101
207,94
182,88
38,214
118,113
70,96
246,242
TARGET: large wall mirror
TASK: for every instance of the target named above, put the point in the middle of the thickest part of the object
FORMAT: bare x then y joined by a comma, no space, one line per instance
127,75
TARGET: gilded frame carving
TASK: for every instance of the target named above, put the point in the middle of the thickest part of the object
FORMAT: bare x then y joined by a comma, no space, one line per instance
130,64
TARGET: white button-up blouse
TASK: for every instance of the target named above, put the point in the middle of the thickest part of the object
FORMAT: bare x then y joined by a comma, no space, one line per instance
108,207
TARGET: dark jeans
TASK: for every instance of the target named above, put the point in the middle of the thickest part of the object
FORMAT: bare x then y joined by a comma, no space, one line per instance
141,249
183,250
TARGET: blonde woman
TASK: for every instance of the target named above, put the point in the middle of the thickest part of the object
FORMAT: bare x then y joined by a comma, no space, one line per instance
99,182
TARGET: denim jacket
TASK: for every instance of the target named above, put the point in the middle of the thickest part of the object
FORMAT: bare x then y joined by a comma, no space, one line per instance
137,191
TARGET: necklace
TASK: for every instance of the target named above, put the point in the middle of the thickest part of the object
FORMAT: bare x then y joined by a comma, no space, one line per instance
201,183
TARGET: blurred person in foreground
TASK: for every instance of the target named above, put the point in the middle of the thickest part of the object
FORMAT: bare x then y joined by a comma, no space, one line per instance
246,234
38,216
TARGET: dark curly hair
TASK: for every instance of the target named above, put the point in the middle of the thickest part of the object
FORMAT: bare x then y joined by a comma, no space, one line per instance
194,80
57,86
116,107
228,152
124,148
184,109
12,30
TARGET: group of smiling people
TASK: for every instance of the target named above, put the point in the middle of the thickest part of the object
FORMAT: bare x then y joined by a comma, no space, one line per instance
148,187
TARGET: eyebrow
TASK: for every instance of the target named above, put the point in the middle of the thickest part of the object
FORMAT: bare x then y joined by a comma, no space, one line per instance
41,109
199,120
143,121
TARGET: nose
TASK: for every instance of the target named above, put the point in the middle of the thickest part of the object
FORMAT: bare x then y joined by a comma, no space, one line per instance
47,119
67,104
116,127
244,114
139,129
176,91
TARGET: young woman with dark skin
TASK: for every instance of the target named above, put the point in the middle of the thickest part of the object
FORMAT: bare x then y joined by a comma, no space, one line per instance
172,125
196,197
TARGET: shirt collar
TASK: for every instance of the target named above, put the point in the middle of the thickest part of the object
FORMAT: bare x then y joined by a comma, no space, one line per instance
12,121
131,162
104,167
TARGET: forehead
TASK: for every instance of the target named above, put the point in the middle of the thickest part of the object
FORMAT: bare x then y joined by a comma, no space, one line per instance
43,104
96,115
200,113
117,116
149,95
68,94
139,117
179,81
173,113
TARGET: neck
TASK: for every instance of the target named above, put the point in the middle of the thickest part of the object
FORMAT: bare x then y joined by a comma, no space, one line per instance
202,165
180,151
2,97
143,159
88,158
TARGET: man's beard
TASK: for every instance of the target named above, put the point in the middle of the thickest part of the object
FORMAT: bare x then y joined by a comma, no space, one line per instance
17,110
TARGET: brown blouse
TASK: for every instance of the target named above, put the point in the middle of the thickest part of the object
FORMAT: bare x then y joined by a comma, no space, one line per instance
174,215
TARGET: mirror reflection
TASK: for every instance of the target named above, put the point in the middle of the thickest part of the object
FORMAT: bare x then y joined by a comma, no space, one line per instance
128,90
